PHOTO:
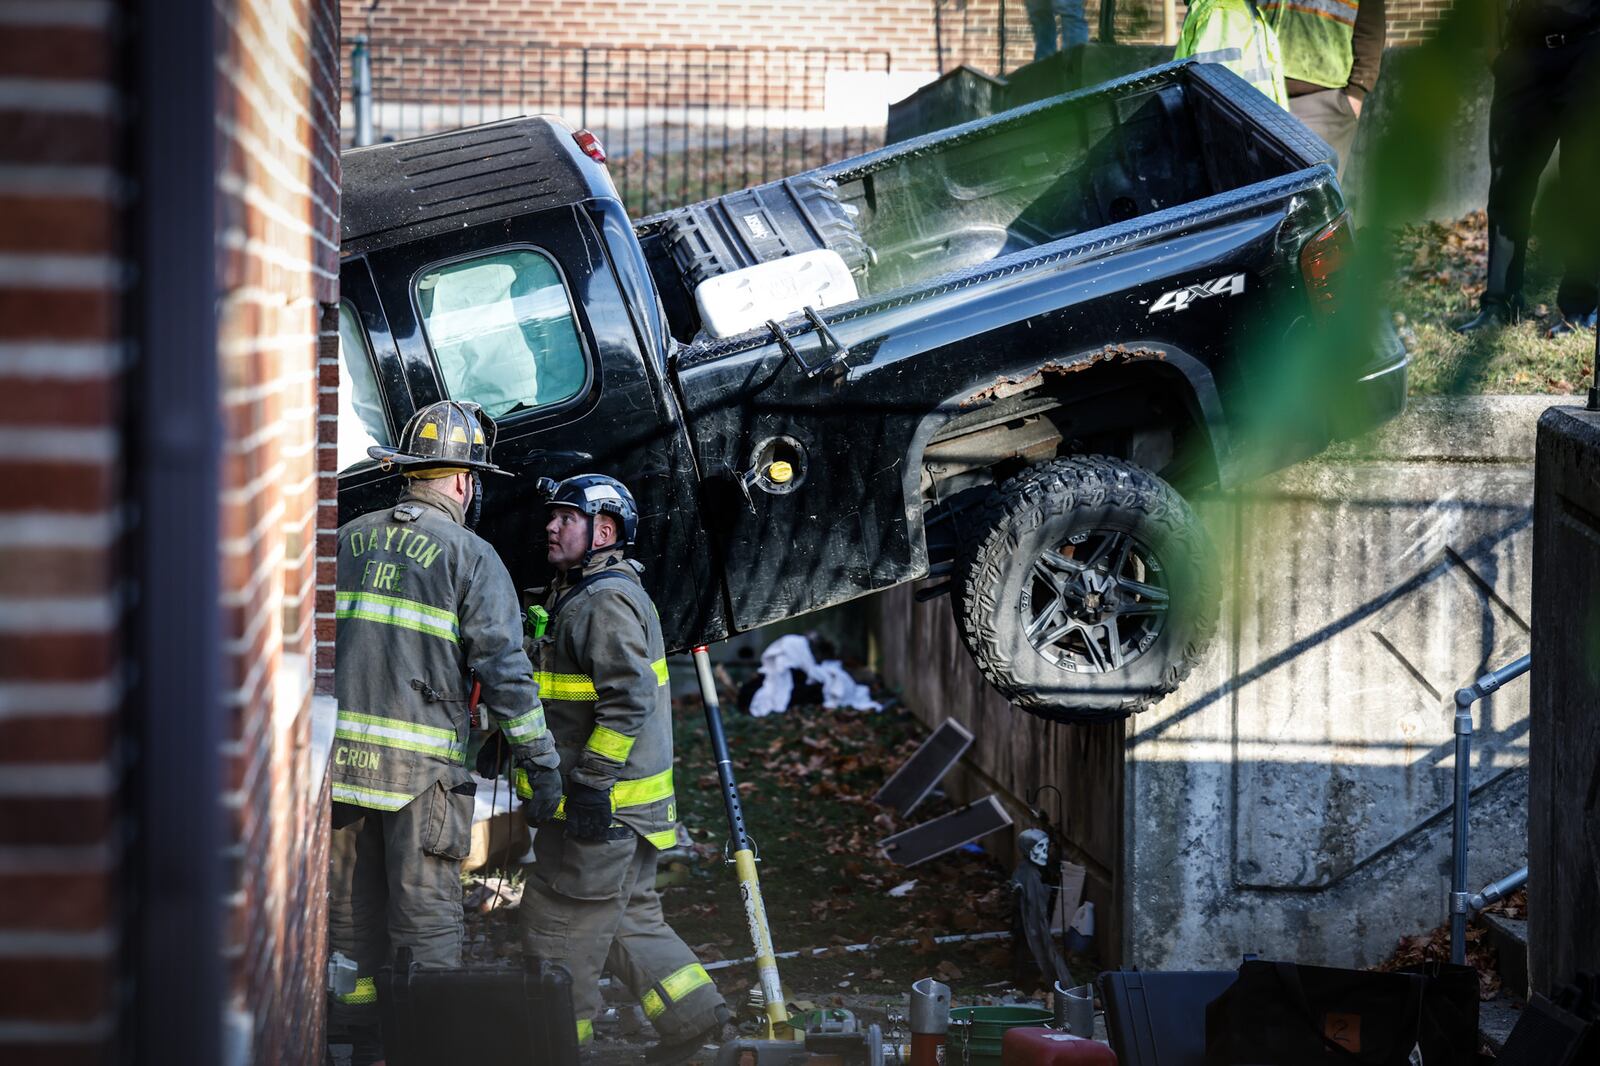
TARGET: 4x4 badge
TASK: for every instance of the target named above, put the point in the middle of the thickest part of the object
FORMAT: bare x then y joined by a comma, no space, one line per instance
1178,299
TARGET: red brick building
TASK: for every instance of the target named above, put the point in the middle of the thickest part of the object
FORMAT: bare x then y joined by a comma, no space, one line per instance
168,265
906,28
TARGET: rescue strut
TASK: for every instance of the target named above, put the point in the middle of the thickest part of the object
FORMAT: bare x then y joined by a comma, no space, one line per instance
744,859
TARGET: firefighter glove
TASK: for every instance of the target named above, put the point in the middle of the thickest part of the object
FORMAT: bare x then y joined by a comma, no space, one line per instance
588,811
540,786
493,756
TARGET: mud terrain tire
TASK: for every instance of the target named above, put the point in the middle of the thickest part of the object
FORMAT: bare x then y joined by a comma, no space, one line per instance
1105,554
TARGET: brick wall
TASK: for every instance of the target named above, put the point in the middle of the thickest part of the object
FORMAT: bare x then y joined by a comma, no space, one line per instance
61,527
67,290
904,27
1412,21
277,129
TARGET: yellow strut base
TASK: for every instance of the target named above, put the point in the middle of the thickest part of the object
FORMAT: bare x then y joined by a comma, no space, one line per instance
755,914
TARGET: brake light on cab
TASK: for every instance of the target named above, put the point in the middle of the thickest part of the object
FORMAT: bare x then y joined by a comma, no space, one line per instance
590,145
1322,263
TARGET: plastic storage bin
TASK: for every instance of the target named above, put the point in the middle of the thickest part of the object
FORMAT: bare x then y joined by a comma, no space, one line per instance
759,225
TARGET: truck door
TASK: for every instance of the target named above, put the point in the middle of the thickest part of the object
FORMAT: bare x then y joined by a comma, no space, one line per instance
525,317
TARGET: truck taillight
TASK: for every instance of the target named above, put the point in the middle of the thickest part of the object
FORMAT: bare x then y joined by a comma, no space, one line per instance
1322,261
590,145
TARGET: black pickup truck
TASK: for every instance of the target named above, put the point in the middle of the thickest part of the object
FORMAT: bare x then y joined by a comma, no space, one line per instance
995,355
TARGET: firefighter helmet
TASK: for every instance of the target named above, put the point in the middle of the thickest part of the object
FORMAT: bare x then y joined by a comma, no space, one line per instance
595,494
451,436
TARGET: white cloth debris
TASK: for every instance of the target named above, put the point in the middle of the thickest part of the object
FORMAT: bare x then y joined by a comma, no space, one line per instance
793,652
902,889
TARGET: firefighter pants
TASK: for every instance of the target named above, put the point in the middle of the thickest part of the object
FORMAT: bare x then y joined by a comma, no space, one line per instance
593,905
394,881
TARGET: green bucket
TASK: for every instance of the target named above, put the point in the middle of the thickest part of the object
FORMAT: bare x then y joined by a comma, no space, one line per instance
976,1032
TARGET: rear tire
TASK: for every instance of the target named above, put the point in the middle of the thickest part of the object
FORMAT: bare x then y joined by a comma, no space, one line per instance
1090,592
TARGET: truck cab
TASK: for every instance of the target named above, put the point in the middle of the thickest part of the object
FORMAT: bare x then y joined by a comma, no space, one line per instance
497,265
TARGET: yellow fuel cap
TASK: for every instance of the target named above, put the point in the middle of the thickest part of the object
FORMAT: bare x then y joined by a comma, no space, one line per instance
780,473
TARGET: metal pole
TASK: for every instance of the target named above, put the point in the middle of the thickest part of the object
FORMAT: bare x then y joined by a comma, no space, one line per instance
174,977
938,34
1169,21
1458,836
361,64
744,859
1594,389
1460,901
1002,69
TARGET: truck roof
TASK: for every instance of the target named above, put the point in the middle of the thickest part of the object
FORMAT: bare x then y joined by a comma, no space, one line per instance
433,184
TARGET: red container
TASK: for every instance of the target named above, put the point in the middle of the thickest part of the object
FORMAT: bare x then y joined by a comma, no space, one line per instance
1051,1047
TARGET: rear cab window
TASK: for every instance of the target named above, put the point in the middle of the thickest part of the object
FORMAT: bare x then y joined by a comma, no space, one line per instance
362,418
502,331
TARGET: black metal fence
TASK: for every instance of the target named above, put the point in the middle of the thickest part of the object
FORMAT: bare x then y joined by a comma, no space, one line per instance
679,124
997,36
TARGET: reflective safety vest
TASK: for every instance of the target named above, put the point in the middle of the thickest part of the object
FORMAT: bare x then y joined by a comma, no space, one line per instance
1234,33
602,677
421,601
1316,37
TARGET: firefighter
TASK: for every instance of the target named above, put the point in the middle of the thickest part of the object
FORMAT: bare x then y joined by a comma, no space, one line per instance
601,666
424,609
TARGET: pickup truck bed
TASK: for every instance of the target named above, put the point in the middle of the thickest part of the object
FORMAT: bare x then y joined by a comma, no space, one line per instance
949,202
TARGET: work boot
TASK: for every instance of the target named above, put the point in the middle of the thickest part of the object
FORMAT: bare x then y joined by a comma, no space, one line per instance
718,1032
1570,324
1492,313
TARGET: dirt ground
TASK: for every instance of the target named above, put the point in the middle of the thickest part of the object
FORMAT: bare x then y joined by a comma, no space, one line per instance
807,780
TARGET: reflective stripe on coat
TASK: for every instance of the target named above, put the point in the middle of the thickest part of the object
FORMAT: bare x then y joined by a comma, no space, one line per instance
1235,34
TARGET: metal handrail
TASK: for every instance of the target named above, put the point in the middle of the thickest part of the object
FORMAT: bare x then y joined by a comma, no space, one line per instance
1499,890
1460,900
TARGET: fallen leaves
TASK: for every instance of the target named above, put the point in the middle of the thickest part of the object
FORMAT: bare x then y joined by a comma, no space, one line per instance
1434,946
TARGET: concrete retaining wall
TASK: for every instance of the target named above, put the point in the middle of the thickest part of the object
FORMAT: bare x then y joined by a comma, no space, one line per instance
1292,797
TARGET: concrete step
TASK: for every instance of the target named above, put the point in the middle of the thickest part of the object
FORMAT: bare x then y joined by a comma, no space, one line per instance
1496,1018
1509,938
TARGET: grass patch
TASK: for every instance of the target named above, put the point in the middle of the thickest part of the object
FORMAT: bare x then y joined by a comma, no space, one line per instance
807,778
1440,269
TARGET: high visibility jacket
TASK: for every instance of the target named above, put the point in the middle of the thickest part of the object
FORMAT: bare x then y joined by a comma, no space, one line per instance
1234,33
1316,37
422,601
602,674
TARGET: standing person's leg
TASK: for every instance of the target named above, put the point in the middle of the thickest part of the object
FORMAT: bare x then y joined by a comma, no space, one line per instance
1330,116
1042,21
571,907
426,841
1073,26
1522,134
675,990
358,902
1579,230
